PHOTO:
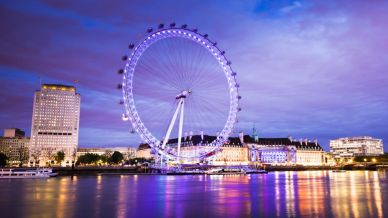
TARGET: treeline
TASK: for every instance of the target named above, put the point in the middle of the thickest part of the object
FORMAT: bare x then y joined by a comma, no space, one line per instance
3,160
96,159
380,158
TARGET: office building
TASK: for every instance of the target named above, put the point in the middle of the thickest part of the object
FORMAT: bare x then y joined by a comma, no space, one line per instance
356,146
55,124
15,146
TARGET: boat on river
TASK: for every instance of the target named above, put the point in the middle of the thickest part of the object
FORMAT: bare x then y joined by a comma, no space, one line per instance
255,171
185,172
225,171
339,171
27,174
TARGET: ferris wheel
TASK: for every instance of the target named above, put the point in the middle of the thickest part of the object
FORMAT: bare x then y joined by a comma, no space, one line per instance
177,86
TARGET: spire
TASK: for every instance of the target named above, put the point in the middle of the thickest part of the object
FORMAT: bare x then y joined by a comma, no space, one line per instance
254,133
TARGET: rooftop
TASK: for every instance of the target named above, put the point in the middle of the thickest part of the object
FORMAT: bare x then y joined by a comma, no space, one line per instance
197,140
58,87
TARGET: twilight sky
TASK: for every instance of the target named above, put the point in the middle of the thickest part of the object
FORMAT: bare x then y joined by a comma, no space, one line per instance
309,69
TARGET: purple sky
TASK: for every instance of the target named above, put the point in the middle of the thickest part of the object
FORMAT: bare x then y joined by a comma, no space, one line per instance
315,69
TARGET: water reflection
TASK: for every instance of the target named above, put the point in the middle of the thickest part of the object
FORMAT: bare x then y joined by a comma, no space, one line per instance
282,194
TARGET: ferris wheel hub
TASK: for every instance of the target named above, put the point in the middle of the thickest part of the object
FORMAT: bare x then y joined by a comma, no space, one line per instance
184,94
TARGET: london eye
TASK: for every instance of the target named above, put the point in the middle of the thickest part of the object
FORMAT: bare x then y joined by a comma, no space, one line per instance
177,83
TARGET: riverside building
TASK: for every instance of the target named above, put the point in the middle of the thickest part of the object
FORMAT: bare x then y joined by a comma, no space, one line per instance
55,124
15,146
144,151
356,146
127,152
284,151
233,152
247,150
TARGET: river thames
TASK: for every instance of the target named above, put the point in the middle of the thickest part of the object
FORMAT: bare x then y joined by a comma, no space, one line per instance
277,194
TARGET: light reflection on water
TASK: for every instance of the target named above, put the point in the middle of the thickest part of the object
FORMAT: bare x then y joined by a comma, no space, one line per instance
281,194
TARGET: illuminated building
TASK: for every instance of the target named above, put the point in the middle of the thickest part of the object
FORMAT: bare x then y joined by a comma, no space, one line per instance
55,124
15,146
284,151
232,152
244,150
356,146
144,151
127,152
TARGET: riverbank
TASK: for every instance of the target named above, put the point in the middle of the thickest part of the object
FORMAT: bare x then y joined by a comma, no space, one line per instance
147,170
94,170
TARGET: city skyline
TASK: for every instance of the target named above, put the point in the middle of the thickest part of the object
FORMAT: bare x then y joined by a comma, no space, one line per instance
306,69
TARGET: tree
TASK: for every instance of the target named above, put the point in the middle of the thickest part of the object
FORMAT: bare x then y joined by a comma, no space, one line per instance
50,156
59,157
22,153
116,157
3,160
35,154
105,158
88,158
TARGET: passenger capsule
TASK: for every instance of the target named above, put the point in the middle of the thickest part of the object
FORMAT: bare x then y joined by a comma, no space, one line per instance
124,117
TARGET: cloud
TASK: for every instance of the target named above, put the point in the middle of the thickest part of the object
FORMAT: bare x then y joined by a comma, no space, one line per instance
307,69
287,9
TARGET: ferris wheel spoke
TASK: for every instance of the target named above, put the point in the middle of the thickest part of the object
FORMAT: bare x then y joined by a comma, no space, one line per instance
158,73
202,114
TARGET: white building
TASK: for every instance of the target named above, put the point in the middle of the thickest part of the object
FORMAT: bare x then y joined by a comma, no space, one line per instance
127,152
247,150
232,152
144,151
285,151
356,146
15,146
55,124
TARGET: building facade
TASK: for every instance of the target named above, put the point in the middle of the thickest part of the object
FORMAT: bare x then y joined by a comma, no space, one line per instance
356,146
15,146
55,124
245,150
144,151
127,152
284,151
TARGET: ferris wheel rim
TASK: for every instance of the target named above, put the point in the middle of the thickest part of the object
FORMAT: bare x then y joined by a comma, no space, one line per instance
218,54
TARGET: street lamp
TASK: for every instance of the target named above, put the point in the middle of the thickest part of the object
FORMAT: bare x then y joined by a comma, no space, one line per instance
374,160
